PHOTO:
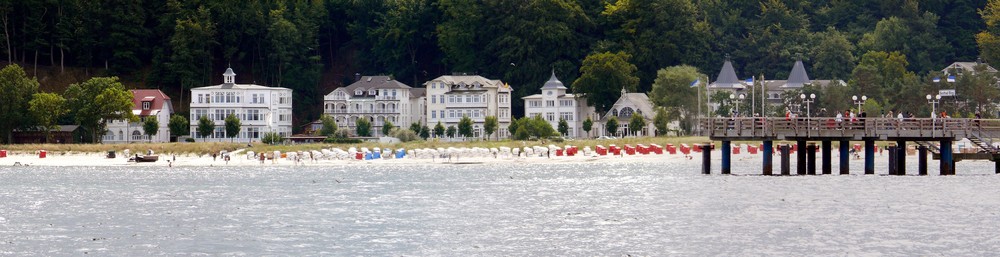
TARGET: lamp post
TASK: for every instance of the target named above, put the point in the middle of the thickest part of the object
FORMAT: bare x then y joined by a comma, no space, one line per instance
736,99
809,100
933,100
859,102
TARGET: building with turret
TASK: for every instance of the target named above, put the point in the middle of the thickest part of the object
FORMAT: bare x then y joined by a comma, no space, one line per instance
261,109
554,104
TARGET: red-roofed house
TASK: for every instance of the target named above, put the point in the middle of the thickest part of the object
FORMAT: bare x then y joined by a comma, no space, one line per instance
148,103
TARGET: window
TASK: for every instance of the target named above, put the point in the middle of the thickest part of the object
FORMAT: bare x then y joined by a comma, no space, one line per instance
550,116
434,114
358,92
451,113
200,98
475,114
535,103
145,105
565,102
372,92
451,99
468,98
568,116
550,103
253,115
220,132
434,99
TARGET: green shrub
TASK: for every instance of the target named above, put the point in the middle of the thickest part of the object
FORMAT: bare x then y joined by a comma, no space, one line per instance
189,140
338,140
404,135
272,138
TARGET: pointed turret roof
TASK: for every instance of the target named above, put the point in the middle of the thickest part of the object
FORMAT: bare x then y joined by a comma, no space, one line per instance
727,77
798,77
553,82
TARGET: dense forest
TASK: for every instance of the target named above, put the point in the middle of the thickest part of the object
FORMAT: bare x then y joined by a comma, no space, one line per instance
315,46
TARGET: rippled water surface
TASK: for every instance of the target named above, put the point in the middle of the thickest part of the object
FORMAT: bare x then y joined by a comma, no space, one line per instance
588,209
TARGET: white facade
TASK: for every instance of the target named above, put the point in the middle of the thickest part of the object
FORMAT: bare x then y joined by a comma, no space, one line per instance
379,99
449,98
554,104
628,104
148,104
261,109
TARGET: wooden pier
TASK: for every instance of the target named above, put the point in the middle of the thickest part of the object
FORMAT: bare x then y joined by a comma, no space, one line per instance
930,135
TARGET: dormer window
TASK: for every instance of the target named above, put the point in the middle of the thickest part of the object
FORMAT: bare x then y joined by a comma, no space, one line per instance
371,92
358,92
146,105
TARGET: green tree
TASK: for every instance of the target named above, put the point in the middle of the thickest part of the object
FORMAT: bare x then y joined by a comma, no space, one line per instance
232,126
272,138
563,127
329,126
673,92
882,76
465,126
178,125
490,125
386,128
438,130
151,127
588,125
989,39
611,126
603,76
98,100
415,127
425,132
191,42
636,124
17,90
912,34
205,127
541,128
660,121
451,131
513,128
46,109
364,127
833,55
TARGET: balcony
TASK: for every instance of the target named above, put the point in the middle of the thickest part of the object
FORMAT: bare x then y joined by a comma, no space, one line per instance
365,111
387,98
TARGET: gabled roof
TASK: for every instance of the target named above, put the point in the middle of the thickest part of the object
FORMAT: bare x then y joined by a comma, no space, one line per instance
373,82
798,76
468,80
727,77
967,66
157,100
553,82
418,92
638,100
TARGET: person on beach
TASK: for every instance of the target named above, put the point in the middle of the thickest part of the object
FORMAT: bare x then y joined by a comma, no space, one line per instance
261,158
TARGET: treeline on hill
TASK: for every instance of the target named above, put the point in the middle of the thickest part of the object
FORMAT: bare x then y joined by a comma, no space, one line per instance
314,46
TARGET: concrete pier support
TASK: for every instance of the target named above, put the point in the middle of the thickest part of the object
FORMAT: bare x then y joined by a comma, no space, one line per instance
845,157
901,157
706,158
785,167
800,164
869,156
768,152
947,161
827,169
811,159
892,159
727,153
922,160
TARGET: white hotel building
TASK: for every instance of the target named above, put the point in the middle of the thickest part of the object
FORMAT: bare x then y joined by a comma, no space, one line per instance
449,98
261,109
147,104
378,99
554,104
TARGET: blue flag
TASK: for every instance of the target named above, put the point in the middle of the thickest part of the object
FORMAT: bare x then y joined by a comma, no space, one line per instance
750,80
951,78
937,79
695,82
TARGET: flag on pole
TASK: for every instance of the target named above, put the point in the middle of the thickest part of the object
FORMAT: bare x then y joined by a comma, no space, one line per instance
750,80
695,82
951,78
937,79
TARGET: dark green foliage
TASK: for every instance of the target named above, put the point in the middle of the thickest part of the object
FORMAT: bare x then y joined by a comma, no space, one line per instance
151,126
386,128
611,126
563,127
415,127
205,127
232,126
272,138
178,125
438,130
17,89
465,127
363,127
425,132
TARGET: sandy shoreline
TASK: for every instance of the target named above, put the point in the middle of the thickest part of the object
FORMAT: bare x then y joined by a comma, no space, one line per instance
240,159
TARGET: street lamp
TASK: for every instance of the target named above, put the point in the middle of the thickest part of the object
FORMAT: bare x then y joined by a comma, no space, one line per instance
859,102
812,98
734,98
933,100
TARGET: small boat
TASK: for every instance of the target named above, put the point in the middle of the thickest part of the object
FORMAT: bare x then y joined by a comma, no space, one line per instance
145,158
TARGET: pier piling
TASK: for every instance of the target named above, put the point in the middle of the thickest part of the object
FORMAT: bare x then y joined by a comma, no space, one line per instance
827,169
768,153
845,157
869,156
922,160
785,167
706,158
811,159
901,157
892,159
947,165
727,152
800,164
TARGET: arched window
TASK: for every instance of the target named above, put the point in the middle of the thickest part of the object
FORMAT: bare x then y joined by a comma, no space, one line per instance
614,112
626,112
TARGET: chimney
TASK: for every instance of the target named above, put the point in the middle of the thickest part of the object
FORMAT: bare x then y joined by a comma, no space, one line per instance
357,77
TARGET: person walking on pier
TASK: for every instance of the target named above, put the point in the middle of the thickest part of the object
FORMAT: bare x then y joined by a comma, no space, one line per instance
840,120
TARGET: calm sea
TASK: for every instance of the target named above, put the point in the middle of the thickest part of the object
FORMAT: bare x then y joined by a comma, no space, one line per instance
514,209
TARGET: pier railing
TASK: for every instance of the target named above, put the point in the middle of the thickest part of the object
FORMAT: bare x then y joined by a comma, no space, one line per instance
856,128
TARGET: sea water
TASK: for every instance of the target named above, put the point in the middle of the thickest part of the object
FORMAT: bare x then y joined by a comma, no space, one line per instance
507,209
